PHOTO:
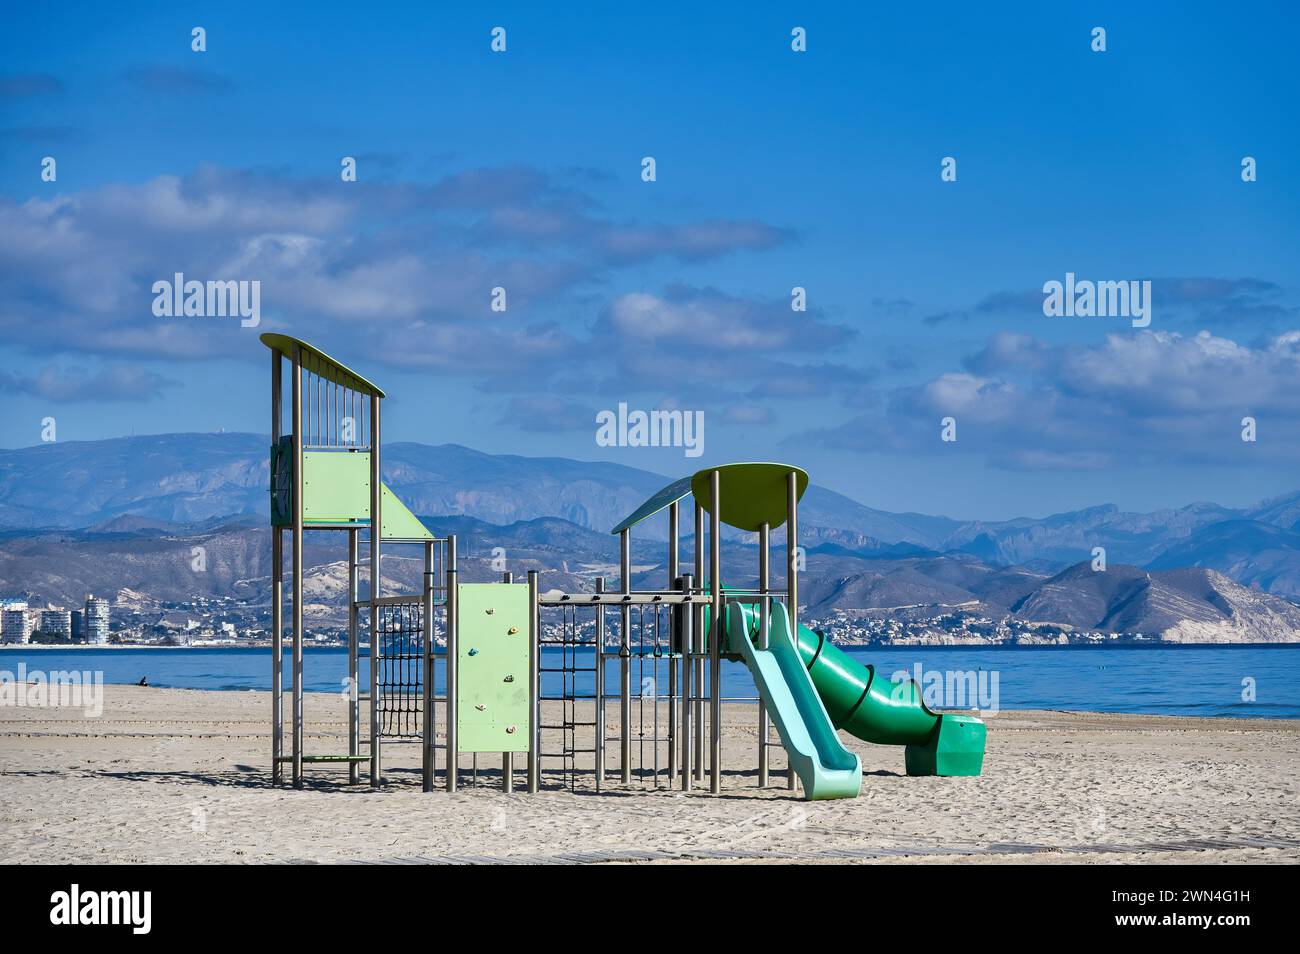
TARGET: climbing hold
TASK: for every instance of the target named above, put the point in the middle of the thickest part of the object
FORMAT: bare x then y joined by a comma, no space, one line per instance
512,630
480,707
490,611
510,730
510,679
473,652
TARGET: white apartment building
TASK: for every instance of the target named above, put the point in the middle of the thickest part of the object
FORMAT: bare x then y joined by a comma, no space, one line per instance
96,621
57,622
15,622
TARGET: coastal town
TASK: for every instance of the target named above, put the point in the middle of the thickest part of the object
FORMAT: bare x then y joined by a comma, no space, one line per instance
134,620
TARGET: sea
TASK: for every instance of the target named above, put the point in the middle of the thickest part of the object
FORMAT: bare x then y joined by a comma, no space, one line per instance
1221,681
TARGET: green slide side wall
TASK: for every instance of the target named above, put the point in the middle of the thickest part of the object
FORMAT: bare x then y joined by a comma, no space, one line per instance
825,767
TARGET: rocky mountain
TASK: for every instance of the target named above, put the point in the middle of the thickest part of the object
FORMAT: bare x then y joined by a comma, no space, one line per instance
1253,553
148,563
79,517
1183,605
185,478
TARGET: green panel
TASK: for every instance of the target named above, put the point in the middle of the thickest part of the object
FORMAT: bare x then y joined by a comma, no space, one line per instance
752,494
492,667
399,522
336,486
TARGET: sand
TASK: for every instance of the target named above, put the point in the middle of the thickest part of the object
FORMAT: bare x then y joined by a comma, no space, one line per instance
166,775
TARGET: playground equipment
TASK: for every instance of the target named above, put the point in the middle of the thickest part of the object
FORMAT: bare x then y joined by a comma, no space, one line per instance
500,639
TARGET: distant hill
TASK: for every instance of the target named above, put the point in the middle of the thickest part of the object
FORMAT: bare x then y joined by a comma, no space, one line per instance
185,478
155,563
1251,552
1183,605
178,485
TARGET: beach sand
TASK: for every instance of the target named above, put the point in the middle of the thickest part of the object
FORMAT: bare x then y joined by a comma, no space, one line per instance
168,775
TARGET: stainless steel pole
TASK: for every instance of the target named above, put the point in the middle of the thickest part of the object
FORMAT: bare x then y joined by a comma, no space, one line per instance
673,639
715,633
453,666
792,575
534,686
697,629
600,687
376,590
429,761
354,687
764,610
508,758
625,658
297,566
277,593
688,647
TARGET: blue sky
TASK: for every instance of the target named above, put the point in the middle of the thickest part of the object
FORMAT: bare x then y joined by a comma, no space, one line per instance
775,169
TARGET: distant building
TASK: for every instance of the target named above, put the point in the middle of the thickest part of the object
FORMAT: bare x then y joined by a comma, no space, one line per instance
15,622
96,621
57,623
78,626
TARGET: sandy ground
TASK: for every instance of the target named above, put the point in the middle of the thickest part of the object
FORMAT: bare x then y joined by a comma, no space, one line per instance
167,775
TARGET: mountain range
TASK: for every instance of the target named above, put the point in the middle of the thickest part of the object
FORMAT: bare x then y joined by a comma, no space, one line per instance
79,517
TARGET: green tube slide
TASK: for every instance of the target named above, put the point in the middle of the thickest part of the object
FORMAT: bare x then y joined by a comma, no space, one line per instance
874,708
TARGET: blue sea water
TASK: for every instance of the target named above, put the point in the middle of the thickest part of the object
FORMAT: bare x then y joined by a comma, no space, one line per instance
1182,680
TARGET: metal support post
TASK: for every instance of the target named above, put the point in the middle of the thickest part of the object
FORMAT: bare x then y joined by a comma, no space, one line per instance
354,668
625,659
453,627
534,686
792,574
673,518
297,566
600,688
764,610
715,633
376,590
688,647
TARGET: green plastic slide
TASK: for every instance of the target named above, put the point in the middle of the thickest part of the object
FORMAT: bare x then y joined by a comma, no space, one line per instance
872,707
825,767
877,709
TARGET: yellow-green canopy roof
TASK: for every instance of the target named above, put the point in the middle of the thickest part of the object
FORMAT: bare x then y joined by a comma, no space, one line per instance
752,494
318,362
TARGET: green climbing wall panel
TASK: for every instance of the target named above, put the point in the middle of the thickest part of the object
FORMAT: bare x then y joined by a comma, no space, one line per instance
492,667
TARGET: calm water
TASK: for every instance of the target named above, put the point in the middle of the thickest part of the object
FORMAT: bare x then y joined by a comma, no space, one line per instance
1186,680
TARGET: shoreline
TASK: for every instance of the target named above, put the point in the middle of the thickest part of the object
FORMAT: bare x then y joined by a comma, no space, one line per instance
886,647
